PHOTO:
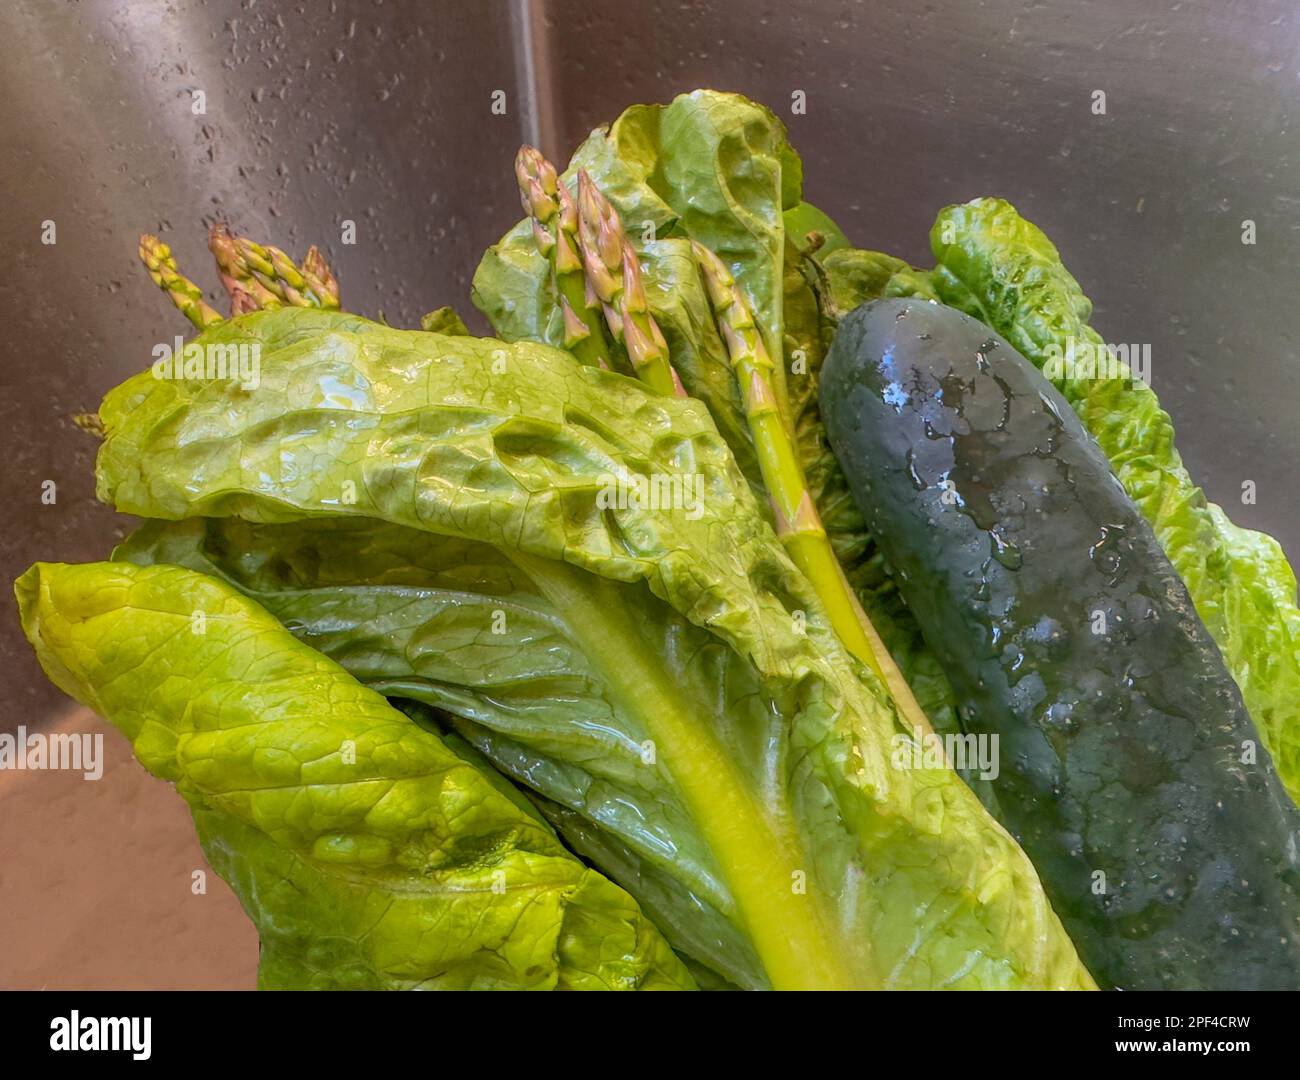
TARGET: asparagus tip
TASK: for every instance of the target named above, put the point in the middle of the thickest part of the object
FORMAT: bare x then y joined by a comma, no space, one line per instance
258,276
320,277
537,183
183,293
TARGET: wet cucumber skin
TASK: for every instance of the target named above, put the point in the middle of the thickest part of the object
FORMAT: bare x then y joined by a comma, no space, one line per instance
1120,750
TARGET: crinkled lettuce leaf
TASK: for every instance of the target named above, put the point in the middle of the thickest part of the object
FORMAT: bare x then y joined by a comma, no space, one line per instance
852,276
995,265
457,625
835,867
371,854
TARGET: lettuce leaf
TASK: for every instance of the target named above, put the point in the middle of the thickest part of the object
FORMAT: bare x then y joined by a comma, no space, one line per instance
369,853
995,265
710,652
457,625
803,219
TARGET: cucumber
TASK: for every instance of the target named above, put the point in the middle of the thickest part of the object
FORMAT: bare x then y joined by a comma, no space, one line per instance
1130,771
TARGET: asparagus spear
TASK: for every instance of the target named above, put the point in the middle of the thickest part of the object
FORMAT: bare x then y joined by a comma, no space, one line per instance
245,291
188,297
259,277
320,278
614,276
797,522
555,228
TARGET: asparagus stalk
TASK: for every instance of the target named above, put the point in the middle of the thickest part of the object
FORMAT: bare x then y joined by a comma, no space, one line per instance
259,277
320,278
555,230
614,276
188,297
797,522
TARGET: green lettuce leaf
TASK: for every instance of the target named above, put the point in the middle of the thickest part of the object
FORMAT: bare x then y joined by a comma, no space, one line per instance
995,265
687,619
457,625
853,276
370,854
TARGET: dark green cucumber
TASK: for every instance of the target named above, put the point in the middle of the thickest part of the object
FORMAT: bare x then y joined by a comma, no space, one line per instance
1130,771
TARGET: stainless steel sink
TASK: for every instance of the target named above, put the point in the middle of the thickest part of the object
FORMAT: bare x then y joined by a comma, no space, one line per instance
314,115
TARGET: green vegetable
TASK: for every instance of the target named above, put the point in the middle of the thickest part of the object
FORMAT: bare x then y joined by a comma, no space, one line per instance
803,219
853,276
443,320
594,272
831,866
371,854
1000,268
613,273
456,624
798,525
1130,770
554,217
181,291
258,277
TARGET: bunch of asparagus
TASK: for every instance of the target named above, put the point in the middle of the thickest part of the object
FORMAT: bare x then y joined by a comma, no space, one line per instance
256,277
595,272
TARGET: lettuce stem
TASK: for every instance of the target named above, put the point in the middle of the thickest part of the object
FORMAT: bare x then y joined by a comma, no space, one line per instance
789,929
